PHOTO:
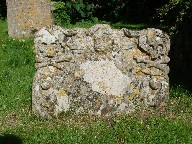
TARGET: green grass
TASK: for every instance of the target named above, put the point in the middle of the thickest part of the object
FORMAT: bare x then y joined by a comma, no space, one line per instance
171,124
119,25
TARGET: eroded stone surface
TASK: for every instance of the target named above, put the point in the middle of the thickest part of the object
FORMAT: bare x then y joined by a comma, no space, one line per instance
99,70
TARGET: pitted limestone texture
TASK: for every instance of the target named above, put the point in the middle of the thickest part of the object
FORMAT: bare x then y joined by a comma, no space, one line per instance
26,17
99,70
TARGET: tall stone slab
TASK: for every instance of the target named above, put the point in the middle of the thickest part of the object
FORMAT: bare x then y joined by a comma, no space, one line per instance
99,70
25,17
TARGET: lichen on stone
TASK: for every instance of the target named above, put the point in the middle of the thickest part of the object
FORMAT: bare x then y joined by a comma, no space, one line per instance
99,70
26,17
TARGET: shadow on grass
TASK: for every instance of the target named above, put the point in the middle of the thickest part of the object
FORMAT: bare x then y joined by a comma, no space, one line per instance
181,59
179,78
10,139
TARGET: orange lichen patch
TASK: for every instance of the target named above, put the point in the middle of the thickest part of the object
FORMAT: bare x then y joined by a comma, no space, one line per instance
61,93
136,91
50,51
44,76
18,18
119,99
98,103
153,71
163,104
129,86
139,53
130,54
129,98
157,78
55,71
46,71
100,84
111,97
151,33
77,74
139,73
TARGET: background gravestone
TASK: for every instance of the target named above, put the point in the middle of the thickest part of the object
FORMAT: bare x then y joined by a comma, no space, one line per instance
25,17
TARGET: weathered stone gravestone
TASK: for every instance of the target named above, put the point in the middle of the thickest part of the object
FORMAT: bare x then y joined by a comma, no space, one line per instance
99,70
25,17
